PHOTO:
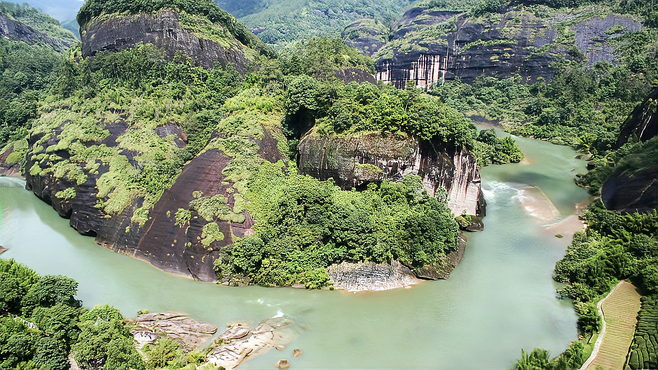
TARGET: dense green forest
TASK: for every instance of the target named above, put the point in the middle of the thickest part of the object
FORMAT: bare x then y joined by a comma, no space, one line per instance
282,21
27,69
42,324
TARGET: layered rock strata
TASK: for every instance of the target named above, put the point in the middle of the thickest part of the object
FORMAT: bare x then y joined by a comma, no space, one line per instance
148,328
516,42
369,276
162,241
240,341
355,161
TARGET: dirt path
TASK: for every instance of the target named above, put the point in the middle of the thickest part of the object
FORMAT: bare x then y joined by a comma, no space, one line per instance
619,311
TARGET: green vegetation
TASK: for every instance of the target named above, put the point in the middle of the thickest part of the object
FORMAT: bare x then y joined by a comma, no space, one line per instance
282,21
204,8
138,90
320,57
613,247
539,359
629,159
305,225
59,38
645,344
27,70
346,109
41,322
488,148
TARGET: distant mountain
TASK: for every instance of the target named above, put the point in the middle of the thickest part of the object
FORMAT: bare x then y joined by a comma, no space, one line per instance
62,10
281,21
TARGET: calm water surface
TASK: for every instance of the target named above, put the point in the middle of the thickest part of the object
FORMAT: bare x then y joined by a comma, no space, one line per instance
500,299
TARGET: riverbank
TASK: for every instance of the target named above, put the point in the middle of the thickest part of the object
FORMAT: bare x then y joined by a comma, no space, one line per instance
369,276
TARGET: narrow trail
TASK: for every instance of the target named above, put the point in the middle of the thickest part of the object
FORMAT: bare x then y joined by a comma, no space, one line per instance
619,312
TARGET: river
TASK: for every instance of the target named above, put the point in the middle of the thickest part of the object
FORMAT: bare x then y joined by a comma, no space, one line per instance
501,298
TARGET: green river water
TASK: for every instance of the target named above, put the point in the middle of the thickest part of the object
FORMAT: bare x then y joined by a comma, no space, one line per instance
501,298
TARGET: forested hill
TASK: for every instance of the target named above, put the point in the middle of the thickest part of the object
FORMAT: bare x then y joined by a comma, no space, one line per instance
282,21
172,132
24,23
31,49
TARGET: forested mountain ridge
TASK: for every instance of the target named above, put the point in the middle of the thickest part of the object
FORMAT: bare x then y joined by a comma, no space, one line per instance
31,49
24,23
283,21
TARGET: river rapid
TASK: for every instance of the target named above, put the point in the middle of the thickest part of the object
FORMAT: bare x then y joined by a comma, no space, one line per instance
501,298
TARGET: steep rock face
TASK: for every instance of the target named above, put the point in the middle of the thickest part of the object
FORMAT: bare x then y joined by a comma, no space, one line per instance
176,247
631,192
355,161
164,30
642,123
14,30
428,46
635,191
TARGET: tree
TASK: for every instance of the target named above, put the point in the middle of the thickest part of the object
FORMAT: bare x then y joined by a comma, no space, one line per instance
49,291
50,355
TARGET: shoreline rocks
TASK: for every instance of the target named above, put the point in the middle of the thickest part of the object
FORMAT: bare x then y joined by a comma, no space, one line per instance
239,341
148,328
370,276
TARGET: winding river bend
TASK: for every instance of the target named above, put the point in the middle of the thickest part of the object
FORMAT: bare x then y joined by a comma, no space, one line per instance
500,299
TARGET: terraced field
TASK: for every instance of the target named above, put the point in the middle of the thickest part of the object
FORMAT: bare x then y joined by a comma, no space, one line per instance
619,312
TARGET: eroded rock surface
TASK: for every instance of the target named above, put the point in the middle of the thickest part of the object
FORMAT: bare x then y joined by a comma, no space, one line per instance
151,326
355,161
164,30
233,346
517,42
368,276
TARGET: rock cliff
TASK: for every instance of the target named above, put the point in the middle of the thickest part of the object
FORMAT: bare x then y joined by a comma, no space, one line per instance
166,242
173,31
429,45
15,30
633,187
642,124
355,161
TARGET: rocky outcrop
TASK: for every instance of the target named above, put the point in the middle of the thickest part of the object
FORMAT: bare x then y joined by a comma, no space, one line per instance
164,30
355,161
516,42
633,187
240,341
366,35
642,124
630,192
369,276
15,30
10,162
148,328
175,247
